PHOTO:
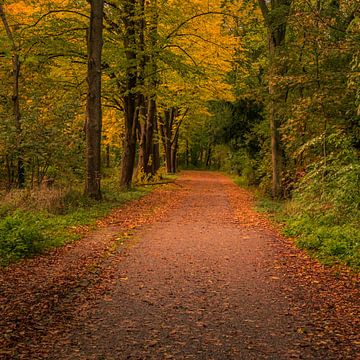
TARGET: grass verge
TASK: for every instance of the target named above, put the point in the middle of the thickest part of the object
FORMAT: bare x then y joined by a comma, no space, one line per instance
330,239
28,226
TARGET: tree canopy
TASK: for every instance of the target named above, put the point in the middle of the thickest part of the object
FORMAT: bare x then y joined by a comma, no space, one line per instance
189,84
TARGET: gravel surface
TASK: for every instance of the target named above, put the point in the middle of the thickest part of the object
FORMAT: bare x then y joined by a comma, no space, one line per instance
205,277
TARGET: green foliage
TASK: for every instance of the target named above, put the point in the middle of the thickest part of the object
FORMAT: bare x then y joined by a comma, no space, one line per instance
325,212
329,243
317,105
323,215
32,229
20,236
319,235
331,187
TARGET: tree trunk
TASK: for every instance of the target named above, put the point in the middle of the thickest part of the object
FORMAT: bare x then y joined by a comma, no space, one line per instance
170,128
17,115
208,157
93,108
276,28
150,126
107,156
15,99
155,147
131,100
187,153
168,155
149,120
155,164
201,157
165,129
174,149
146,139
142,162
129,147
276,155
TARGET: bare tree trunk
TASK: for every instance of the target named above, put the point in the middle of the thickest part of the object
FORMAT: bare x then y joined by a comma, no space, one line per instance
149,119
146,139
170,129
148,136
155,165
155,146
129,151
201,157
208,156
131,101
187,153
174,149
143,119
143,138
107,156
276,155
165,129
93,108
15,99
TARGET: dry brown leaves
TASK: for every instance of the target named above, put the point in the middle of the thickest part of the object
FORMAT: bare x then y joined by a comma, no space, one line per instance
334,308
39,297
38,292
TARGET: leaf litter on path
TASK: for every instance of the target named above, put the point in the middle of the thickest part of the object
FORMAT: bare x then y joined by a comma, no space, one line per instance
206,278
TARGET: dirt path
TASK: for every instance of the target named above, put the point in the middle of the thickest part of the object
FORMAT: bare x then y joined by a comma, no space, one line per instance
203,277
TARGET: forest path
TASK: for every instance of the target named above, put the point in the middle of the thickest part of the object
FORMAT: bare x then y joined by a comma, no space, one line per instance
209,279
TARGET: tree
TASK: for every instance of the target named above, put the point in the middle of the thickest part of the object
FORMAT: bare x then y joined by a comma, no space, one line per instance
93,108
132,97
148,148
170,124
15,98
276,21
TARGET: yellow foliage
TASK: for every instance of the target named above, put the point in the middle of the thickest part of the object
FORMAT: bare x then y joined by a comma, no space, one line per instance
113,127
20,8
201,36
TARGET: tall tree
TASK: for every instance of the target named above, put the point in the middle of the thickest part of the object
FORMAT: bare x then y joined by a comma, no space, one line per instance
131,97
15,98
147,146
275,14
93,108
169,128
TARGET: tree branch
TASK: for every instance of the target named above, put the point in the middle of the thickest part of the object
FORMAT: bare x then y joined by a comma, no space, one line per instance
201,38
7,28
178,126
184,51
55,12
194,17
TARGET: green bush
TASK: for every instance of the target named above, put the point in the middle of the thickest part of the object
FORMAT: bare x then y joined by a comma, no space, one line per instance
32,221
336,243
323,214
325,210
20,237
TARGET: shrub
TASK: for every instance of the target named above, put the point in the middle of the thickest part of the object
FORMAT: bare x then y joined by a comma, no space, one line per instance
325,212
20,236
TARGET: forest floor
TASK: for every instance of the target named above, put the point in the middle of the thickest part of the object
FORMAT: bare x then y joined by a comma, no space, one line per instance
189,271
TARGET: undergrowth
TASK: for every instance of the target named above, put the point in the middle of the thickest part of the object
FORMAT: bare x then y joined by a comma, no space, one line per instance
329,242
323,215
32,221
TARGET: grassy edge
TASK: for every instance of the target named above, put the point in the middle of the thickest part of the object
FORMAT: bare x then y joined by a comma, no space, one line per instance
277,212
26,233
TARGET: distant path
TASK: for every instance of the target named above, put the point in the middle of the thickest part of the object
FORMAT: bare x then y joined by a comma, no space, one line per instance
206,278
